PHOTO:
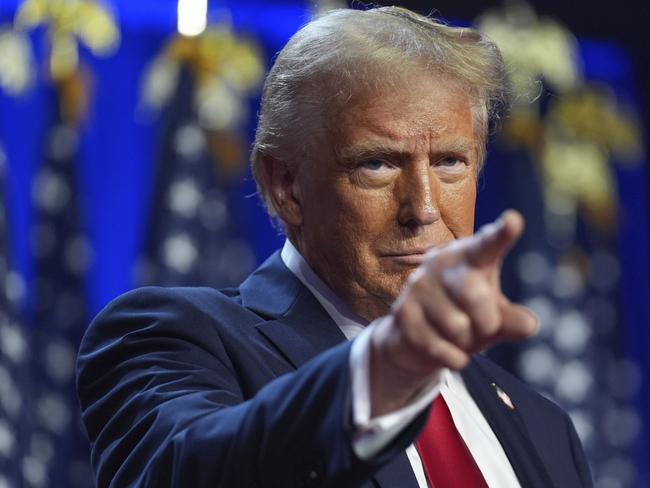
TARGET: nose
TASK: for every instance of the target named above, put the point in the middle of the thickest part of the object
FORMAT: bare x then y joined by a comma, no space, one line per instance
419,190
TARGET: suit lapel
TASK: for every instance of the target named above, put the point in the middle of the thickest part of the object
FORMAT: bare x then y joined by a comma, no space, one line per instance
298,325
304,331
301,329
509,428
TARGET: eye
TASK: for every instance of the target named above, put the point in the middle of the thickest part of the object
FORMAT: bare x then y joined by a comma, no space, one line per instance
372,164
450,161
373,172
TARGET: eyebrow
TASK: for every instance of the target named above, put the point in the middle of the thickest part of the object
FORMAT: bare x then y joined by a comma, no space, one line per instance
459,146
373,150
361,152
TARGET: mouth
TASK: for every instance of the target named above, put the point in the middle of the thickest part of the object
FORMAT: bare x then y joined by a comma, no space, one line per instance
412,257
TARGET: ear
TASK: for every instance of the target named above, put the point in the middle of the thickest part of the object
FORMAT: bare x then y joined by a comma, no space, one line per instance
280,184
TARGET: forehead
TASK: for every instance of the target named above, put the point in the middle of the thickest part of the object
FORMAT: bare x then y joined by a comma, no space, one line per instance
423,109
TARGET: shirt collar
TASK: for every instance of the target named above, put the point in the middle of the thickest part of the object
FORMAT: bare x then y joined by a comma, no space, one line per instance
348,321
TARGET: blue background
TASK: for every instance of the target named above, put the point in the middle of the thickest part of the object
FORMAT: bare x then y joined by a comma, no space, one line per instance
117,158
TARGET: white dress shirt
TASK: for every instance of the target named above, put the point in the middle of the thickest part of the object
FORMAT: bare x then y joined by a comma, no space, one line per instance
377,432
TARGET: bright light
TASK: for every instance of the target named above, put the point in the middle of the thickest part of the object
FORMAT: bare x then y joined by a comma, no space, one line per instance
192,17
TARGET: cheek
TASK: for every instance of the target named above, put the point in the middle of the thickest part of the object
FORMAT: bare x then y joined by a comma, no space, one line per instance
366,214
457,207
341,222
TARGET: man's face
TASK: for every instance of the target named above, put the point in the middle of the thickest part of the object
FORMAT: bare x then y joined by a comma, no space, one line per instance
398,177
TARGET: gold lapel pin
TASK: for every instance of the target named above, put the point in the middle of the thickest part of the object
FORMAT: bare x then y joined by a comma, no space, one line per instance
503,396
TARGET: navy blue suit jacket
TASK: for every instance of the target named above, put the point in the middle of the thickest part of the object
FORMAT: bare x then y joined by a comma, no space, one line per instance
192,387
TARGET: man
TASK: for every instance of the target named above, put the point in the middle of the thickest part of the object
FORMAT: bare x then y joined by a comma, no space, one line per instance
371,136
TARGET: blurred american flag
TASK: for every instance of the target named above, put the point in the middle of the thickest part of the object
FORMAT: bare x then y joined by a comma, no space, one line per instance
14,358
57,452
194,236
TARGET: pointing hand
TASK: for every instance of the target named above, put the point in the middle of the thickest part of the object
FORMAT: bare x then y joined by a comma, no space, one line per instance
451,308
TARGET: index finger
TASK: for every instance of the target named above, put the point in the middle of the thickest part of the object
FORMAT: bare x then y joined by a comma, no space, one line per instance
493,241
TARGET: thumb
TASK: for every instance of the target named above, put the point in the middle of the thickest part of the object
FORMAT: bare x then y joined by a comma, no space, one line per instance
517,322
492,242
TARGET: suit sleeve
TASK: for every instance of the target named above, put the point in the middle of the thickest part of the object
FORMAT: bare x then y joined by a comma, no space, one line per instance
163,406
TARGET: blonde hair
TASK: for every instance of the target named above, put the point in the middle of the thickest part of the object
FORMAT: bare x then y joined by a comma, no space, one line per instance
346,52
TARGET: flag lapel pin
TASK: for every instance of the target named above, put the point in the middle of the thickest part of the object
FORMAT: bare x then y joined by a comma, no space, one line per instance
503,396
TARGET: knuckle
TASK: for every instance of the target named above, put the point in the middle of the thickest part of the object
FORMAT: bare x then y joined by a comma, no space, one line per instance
489,325
447,355
475,290
458,328
460,322
458,362
488,322
436,350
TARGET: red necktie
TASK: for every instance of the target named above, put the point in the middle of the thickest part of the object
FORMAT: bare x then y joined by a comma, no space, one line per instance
446,460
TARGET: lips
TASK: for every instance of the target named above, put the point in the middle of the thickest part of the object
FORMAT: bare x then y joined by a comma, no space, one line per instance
407,259
411,257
